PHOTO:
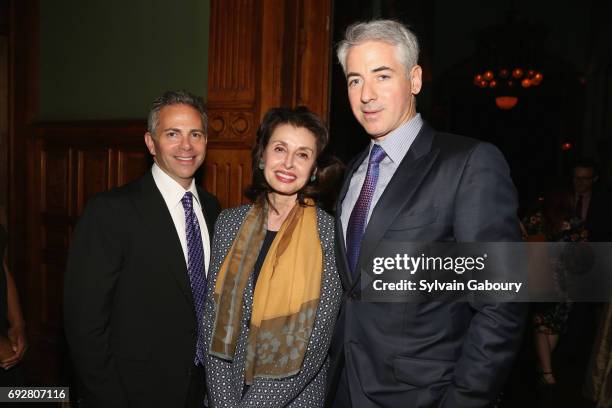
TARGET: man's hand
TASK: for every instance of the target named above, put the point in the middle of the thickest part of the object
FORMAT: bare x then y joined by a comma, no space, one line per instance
19,345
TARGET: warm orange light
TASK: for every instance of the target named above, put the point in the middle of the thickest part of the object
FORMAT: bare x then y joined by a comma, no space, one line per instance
531,73
566,146
488,75
537,78
506,102
526,83
482,84
503,73
493,84
517,73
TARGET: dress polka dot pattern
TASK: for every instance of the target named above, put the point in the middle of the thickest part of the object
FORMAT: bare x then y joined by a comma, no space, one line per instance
225,379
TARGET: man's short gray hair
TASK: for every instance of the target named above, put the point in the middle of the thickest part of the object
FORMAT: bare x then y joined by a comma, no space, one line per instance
175,98
387,31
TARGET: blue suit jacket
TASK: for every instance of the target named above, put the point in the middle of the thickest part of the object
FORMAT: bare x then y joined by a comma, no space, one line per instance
447,188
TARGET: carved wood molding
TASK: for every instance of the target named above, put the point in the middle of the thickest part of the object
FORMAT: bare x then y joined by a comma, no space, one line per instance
234,126
263,53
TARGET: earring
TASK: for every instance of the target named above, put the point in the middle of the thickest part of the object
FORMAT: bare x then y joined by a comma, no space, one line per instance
261,164
313,177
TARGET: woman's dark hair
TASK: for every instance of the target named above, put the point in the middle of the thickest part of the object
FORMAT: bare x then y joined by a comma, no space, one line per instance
329,169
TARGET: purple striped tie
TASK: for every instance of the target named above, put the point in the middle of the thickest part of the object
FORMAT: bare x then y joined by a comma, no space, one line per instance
195,267
357,221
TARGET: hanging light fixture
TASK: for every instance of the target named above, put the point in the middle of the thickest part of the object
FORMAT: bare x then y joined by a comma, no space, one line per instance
507,56
506,102
504,83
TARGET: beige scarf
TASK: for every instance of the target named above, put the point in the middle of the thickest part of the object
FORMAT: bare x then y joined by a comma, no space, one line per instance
286,294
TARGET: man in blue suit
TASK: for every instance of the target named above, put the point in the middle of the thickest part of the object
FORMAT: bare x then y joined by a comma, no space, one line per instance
415,184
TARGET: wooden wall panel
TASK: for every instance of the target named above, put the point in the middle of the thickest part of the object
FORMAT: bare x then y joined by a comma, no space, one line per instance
231,126
227,175
131,165
263,54
92,174
233,69
233,37
54,186
314,56
72,162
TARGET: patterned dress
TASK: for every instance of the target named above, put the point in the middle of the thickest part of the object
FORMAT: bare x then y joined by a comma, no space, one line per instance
551,318
225,379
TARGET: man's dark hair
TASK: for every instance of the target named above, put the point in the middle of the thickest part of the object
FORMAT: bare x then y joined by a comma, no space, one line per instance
586,162
180,97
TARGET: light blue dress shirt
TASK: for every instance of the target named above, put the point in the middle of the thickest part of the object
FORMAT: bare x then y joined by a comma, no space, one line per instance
396,145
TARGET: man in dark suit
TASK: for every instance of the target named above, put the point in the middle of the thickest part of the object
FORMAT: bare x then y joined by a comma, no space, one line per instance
590,203
136,273
415,184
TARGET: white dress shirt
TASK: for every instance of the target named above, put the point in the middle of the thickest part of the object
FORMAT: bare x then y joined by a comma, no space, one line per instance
173,192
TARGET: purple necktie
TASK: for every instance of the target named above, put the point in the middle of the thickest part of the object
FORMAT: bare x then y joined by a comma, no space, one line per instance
195,267
357,221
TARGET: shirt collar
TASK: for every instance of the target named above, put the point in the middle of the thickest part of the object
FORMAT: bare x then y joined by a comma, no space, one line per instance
171,191
398,142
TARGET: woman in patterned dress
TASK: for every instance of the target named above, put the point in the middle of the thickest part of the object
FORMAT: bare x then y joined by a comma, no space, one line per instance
273,287
556,222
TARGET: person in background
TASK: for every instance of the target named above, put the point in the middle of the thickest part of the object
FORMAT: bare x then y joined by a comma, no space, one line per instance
593,204
13,339
590,202
274,290
555,222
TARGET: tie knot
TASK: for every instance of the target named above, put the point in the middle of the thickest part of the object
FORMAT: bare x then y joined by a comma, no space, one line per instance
187,200
377,154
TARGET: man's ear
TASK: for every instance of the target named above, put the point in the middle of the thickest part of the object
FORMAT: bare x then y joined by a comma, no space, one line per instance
148,137
416,79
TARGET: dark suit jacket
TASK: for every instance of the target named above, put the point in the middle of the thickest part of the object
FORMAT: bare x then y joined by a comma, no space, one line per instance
128,308
447,188
599,217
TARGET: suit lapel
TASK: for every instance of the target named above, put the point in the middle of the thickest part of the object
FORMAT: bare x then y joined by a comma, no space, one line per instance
206,210
158,220
342,260
407,179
